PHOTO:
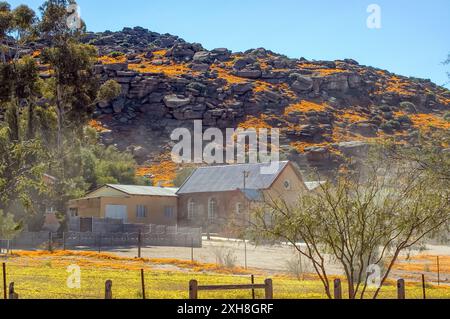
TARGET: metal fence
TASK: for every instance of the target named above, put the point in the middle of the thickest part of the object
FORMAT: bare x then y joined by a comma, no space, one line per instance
73,240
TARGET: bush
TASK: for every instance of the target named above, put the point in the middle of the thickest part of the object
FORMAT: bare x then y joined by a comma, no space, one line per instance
109,91
447,116
116,54
225,257
411,107
390,126
404,119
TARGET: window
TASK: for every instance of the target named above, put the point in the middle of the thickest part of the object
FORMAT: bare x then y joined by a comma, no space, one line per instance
191,209
169,212
73,212
141,211
212,209
287,184
268,217
239,208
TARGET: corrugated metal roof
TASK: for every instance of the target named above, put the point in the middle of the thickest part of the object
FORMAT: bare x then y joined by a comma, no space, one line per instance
145,190
313,185
229,178
253,194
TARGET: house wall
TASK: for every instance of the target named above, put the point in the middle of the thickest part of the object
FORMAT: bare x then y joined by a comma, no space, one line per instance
225,209
226,202
278,189
96,207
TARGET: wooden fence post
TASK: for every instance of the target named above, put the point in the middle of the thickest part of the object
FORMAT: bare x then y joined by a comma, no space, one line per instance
401,289
12,293
193,289
5,296
50,239
438,271
108,289
64,241
424,287
253,290
337,289
268,289
143,284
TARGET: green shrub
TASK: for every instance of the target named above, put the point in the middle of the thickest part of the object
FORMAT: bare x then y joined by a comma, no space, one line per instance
116,54
447,116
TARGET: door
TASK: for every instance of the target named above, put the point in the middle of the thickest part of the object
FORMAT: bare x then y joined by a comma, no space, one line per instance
117,212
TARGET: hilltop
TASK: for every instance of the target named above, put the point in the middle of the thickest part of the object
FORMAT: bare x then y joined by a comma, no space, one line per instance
325,109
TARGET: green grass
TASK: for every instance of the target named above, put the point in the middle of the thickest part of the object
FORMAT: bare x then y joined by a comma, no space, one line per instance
46,278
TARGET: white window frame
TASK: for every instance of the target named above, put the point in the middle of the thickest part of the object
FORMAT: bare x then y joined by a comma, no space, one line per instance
212,209
191,209
139,210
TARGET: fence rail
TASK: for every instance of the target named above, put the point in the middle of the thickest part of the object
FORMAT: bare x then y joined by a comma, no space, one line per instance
98,240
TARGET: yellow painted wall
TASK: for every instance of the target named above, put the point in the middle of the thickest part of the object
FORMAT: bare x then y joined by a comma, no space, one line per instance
96,207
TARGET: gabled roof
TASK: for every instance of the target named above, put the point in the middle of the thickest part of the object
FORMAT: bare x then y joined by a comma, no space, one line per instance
314,185
135,190
230,178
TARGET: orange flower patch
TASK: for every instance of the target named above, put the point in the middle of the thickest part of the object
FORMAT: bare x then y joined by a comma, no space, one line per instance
36,54
305,106
170,70
106,260
353,117
399,86
424,263
427,121
112,60
224,74
162,173
319,70
301,146
160,53
255,122
98,126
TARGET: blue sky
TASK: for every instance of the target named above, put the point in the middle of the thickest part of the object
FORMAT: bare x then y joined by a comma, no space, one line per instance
413,40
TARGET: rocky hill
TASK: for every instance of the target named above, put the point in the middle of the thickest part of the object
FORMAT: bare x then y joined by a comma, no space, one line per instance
325,109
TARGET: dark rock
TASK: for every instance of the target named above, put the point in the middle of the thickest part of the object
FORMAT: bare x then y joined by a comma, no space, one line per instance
364,129
173,101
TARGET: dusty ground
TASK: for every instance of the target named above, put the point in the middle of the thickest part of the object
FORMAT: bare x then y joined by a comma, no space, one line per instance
275,259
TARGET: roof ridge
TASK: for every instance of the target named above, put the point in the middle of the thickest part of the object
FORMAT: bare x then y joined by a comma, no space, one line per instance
243,164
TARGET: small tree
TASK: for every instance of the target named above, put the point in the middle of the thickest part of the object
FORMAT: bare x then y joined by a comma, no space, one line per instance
8,227
366,218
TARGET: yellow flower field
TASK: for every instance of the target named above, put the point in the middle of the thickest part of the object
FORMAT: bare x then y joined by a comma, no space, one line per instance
41,275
